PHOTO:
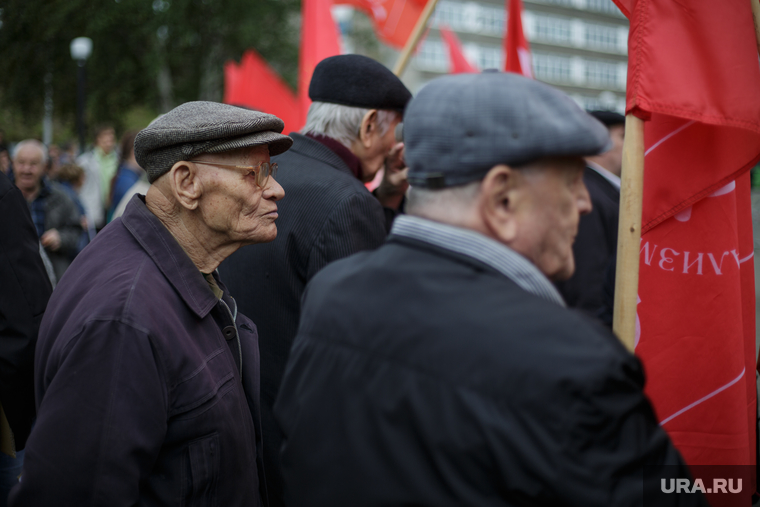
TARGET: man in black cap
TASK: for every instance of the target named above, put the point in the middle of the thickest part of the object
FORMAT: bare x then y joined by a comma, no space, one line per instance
595,246
146,375
328,214
470,384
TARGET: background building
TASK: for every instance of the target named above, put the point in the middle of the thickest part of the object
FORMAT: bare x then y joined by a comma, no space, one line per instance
579,46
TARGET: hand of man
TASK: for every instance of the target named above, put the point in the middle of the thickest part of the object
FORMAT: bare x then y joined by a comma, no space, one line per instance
51,239
392,188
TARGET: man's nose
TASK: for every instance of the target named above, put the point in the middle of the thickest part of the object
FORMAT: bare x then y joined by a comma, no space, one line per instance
273,190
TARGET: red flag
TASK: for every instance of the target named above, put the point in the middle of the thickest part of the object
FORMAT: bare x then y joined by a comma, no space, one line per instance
516,48
319,39
256,85
693,73
394,20
457,61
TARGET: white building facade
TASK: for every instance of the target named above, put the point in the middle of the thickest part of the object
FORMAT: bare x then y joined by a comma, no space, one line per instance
579,46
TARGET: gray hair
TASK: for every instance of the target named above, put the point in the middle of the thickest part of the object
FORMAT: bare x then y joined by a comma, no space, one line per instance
36,144
442,204
342,123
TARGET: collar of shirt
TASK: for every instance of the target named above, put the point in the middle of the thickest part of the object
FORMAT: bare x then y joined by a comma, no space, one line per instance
604,173
486,250
169,256
351,160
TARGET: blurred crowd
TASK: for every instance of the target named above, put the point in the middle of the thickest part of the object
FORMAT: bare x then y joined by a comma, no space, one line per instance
73,195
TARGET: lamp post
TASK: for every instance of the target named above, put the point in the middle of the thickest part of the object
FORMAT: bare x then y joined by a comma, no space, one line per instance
81,47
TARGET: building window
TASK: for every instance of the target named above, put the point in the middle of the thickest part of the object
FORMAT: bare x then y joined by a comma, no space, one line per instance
551,68
601,36
566,3
552,29
605,6
432,56
601,74
469,17
490,58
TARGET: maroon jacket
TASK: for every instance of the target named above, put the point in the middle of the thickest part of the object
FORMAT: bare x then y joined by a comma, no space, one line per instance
138,384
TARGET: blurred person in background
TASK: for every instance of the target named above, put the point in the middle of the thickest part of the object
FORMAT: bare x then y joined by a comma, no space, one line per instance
55,216
99,166
68,152
128,173
141,186
54,161
24,295
5,161
71,178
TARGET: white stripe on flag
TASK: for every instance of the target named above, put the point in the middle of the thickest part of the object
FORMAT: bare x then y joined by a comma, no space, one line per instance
668,419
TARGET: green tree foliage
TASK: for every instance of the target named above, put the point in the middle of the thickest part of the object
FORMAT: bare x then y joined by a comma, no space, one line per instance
149,54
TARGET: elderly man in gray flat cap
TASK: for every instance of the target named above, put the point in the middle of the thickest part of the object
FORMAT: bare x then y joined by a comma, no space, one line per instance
147,377
469,383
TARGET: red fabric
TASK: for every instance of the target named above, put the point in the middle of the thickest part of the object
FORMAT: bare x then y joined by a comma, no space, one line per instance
458,64
319,39
394,20
516,48
693,73
254,84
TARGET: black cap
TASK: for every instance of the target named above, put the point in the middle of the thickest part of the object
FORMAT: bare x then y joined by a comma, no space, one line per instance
609,118
357,81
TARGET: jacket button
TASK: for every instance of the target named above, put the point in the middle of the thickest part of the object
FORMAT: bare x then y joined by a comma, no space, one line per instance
228,332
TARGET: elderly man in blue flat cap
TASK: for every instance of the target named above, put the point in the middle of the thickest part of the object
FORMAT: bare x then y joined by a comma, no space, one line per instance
146,375
470,384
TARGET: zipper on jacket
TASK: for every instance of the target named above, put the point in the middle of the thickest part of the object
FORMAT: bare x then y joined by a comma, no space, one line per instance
237,334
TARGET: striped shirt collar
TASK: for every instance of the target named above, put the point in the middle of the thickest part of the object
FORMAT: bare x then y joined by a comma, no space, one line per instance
604,173
481,248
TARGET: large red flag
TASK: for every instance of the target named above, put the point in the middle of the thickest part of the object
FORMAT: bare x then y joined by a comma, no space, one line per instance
319,39
693,73
457,62
256,85
394,20
516,48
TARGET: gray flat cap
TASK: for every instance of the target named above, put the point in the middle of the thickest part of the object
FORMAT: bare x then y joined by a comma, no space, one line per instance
205,127
459,126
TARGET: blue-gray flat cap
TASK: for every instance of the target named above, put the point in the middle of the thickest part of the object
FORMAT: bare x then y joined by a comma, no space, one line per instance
205,127
459,126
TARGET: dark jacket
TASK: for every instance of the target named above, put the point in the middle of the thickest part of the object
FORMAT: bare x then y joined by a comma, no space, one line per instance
326,214
458,388
62,214
23,297
140,398
595,246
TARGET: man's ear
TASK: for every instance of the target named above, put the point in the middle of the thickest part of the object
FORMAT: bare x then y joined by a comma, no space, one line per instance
501,195
185,184
368,128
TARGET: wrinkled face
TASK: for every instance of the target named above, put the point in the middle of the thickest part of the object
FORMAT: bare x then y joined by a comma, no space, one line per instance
554,200
28,168
372,160
232,204
106,140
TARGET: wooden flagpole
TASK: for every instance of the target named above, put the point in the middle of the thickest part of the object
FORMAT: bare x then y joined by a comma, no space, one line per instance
414,38
756,16
629,232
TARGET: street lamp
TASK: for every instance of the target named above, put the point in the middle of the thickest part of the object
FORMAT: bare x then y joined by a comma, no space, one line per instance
81,47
